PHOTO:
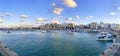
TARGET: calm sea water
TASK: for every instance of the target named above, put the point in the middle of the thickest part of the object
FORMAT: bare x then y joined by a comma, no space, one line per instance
62,43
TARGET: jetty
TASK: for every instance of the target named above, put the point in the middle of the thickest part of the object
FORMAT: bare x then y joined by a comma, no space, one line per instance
5,51
114,48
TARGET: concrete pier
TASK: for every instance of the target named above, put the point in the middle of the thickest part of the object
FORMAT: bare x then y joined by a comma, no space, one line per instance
114,49
5,51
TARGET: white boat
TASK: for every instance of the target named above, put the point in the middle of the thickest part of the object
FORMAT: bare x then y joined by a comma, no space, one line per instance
8,31
54,31
105,36
43,31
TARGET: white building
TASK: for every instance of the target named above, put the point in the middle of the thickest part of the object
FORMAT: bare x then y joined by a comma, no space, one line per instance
112,26
102,25
117,27
94,25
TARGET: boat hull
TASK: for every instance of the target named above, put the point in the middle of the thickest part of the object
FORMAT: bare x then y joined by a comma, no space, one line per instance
107,39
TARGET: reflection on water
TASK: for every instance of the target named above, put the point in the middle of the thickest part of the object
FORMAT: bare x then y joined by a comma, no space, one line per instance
61,43
1,35
70,33
54,34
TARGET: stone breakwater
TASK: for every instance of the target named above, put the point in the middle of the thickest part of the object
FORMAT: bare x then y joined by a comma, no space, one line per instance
114,49
5,51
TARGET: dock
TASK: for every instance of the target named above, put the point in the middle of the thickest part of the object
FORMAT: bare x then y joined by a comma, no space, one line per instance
5,51
114,49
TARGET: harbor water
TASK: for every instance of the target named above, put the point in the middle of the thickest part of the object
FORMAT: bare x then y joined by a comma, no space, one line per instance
61,43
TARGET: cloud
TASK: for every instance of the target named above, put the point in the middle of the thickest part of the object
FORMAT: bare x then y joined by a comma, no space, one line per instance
8,14
40,19
22,20
118,8
57,11
24,16
1,15
53,4
55,21
77,17
60,16
69,19
89,17
75,23
1,21
22,24
55,18
112,13
70,3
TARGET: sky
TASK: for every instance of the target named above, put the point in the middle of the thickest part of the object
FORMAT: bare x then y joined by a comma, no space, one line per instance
79,11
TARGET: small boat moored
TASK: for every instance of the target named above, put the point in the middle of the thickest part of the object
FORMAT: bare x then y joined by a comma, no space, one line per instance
106,36
43,31
8,31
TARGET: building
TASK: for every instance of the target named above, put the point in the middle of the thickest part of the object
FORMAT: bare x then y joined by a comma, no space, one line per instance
112,26
117,27
81,26
102,25
107,26
94,25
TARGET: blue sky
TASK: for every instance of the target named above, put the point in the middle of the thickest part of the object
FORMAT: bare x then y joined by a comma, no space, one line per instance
87,10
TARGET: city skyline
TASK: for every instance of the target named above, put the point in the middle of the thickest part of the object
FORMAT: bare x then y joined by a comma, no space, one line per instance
79,11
